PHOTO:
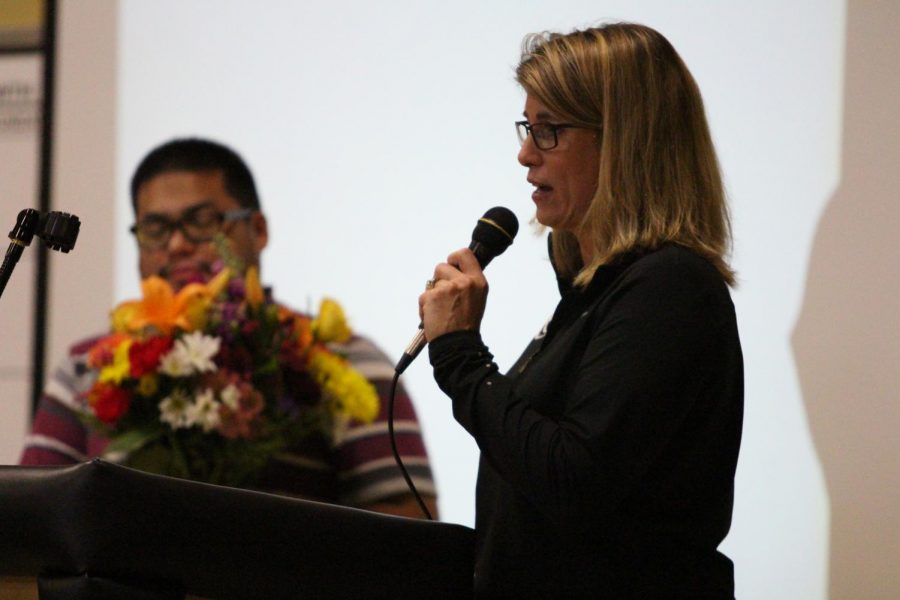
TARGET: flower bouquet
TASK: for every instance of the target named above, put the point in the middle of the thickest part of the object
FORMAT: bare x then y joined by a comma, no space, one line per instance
210,382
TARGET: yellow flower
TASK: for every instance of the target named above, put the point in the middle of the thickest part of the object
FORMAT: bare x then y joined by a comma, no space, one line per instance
121,316
217,284
120,367
102,352
148,385
253,291
350,394
331,324
358,397
195,310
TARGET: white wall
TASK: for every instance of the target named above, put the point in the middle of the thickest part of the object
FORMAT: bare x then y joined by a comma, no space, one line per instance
378,133
20,119
80,283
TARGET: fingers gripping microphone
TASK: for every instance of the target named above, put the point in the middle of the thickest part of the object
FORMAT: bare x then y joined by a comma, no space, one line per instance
492,235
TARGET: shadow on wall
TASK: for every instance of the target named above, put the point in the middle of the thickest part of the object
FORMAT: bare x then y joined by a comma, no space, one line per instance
847,338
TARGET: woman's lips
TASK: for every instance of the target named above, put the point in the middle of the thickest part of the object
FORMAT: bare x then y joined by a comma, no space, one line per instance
541,193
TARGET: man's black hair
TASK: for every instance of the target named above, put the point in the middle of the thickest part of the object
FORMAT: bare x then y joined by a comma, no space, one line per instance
195,154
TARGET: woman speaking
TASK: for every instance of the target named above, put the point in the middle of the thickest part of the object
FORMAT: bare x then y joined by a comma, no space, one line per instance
608,450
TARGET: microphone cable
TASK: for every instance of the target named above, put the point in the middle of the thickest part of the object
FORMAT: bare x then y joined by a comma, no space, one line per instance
399,461
492,235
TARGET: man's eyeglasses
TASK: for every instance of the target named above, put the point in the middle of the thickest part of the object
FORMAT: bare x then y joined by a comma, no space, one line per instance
544,134
198,225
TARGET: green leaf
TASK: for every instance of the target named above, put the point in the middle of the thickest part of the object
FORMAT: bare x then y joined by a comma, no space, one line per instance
270,366
133,440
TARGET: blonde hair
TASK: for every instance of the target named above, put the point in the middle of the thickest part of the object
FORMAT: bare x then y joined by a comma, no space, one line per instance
658,178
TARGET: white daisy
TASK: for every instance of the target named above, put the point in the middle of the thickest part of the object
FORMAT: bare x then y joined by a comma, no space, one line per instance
204,412
199,349
175,363
191,354
173,409
230,396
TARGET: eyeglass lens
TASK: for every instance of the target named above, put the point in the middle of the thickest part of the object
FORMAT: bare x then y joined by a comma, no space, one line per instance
198,225
543,134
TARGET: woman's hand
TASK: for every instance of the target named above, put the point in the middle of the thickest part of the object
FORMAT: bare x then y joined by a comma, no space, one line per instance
456,300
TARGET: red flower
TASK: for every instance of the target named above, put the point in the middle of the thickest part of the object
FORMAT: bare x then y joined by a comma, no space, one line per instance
109,402
250,326
244,420
235,358
144,356
101,353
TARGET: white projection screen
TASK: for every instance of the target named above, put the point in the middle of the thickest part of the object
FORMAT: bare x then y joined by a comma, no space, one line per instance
379,132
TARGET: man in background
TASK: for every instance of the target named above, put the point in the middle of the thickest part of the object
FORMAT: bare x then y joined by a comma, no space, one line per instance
185,193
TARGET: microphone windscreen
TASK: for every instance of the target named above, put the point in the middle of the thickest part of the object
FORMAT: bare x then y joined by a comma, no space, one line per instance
59,230
495,231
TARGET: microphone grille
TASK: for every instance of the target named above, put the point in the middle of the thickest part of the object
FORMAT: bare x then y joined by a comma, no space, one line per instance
503,219
59,230
495,231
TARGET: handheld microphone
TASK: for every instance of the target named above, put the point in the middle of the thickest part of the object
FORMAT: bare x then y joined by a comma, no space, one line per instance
492,235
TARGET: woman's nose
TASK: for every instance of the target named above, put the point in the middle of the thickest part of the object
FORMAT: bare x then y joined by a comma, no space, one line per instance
529,155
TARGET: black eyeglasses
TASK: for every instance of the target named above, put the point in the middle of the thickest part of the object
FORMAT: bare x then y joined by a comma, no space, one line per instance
544,134
199,225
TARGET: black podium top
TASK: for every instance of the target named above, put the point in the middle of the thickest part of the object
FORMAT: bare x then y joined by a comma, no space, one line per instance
101,519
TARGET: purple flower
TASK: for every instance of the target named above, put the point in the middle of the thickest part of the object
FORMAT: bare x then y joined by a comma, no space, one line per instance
226,332
236,289
229,312
288,405
217,266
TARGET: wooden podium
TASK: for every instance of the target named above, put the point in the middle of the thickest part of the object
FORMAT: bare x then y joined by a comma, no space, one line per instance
100,530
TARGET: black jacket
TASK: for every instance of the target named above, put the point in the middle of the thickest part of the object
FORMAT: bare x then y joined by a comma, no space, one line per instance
608,451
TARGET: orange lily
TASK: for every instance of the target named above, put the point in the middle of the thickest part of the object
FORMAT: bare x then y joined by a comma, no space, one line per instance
303,329
163,309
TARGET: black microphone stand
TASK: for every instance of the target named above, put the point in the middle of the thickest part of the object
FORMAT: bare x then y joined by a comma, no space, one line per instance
20,236
59,231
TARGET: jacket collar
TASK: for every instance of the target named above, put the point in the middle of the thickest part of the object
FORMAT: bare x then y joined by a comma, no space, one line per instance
603,276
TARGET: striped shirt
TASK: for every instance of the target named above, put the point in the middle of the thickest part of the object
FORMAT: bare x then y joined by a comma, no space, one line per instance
356,470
